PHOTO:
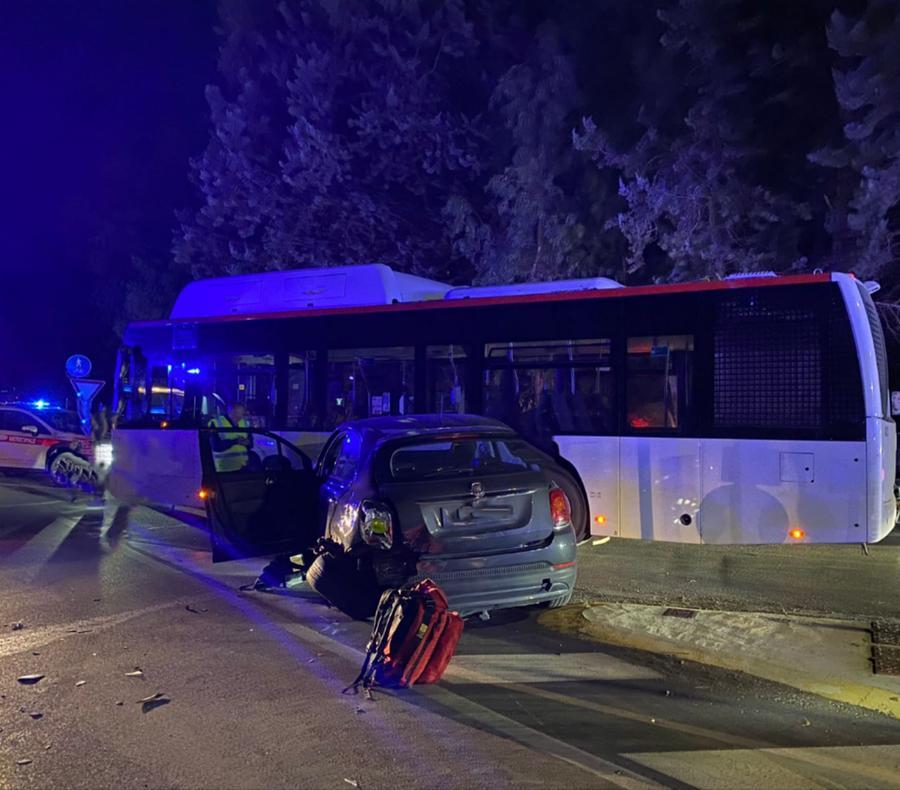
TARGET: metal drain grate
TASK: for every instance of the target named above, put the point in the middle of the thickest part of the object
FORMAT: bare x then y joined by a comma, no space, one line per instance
885,633
886,660
686,613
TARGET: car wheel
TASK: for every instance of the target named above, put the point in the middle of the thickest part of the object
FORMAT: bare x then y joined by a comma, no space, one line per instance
556,603
64,469
338,580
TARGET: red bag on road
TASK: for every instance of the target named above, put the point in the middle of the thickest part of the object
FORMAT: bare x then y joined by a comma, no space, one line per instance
413,638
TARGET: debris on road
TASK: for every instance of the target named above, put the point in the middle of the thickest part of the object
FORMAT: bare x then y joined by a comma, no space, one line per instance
190,608
36,715
30,680
80,682
351,782
600,541
138,673
17,626
23,761
153,701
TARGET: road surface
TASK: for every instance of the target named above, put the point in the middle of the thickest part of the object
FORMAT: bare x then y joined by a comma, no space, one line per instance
251,686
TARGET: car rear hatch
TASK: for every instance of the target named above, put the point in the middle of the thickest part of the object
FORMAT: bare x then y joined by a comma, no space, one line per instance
467,509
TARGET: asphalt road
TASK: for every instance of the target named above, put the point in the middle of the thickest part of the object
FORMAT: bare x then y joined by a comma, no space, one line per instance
251,686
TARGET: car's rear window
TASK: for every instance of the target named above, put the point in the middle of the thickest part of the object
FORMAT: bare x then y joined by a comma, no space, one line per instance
462,457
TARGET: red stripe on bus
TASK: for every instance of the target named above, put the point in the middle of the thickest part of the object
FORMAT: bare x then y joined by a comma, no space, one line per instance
564,296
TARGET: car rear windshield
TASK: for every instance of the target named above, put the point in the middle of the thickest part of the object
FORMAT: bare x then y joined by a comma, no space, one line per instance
462,457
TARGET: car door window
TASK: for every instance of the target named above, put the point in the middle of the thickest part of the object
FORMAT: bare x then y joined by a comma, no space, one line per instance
330,455
347,459
17,420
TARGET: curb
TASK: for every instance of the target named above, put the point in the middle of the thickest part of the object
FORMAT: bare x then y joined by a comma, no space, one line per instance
570,620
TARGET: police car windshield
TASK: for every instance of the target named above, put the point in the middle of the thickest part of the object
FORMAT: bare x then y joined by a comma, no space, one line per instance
65,421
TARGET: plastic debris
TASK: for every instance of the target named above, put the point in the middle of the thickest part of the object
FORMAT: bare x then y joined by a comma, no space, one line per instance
138,673
30,680
351,782
80,682
190,608
806,723
36,715
17,626
23,761
600,541
119,702
153,701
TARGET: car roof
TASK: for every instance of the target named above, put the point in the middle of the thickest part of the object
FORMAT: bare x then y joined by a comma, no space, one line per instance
426,424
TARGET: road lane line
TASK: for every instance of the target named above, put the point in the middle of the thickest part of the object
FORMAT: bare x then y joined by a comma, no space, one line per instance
31,557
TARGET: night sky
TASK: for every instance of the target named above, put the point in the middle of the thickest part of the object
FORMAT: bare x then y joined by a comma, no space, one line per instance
102,105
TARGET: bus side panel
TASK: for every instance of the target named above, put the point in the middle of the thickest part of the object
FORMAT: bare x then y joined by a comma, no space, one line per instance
597,460
757,491
659,488
881,461
309,442
161,467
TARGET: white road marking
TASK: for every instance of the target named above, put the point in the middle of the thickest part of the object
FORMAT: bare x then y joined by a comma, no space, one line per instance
547,668
31,557
823,766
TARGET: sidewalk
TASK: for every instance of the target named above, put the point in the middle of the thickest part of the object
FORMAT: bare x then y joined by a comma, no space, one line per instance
823,656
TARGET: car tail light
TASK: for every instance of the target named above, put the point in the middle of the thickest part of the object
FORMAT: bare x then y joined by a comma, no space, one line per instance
560,509
376,524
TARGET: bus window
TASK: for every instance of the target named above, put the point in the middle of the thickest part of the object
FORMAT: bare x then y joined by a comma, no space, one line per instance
446,374
369,382
658,393
301,407
165,396
545,389
242,378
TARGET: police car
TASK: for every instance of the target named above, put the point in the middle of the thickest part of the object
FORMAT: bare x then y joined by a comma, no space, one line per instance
37,437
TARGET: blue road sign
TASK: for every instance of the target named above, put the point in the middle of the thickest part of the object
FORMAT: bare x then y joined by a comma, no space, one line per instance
78,366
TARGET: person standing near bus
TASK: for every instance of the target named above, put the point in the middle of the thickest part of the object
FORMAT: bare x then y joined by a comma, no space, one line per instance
231,448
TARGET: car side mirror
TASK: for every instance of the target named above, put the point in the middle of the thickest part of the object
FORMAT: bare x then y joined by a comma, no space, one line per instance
32,429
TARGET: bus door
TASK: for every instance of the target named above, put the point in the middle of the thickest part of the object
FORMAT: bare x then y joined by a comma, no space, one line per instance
659,467
260,499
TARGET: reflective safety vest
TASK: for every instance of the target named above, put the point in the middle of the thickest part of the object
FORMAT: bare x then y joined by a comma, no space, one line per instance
230,456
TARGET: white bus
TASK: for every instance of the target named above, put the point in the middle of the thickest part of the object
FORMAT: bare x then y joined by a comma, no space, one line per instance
747,410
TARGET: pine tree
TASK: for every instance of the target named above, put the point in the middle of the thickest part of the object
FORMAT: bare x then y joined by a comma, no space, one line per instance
341,132
865,209
695,201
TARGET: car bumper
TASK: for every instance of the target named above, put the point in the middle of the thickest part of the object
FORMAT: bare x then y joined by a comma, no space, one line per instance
505,581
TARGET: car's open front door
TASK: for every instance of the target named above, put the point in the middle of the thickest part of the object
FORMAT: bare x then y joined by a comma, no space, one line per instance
260,499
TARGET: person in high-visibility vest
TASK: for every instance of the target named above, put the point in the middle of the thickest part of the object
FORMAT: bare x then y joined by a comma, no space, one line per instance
231,448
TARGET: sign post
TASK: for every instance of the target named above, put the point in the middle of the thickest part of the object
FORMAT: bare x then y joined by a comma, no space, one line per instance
78,367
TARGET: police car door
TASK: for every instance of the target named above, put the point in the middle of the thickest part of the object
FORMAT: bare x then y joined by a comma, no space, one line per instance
268,506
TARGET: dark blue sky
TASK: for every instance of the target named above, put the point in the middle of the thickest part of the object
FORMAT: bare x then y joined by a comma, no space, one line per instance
102,104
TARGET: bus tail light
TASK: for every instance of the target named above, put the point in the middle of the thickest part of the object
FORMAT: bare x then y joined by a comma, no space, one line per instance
600,519
204,494
376,524
560,509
